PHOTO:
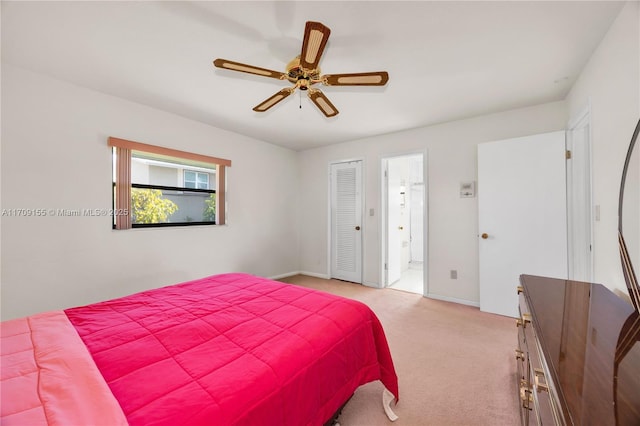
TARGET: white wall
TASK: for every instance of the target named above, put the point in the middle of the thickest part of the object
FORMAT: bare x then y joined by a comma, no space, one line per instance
55,155
610,82
453,221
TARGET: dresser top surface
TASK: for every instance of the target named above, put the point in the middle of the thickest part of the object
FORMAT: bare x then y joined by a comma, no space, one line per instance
591,342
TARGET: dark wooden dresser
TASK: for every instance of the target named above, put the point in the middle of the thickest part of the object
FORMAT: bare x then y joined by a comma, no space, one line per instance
578,354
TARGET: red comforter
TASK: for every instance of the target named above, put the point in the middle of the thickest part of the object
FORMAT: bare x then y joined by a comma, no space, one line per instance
234,349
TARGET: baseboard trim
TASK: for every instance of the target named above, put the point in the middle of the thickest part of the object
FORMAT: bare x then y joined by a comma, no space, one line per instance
292,273
315,274
370,284
453,299
285,275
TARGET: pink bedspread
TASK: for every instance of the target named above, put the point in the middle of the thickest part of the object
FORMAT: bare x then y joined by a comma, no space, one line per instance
234,349
48,377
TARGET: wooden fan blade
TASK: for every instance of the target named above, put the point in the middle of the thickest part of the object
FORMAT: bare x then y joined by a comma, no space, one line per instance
273,100
315,39
322,102
250,69
378,78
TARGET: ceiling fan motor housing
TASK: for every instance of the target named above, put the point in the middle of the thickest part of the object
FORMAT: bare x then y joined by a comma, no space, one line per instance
299,76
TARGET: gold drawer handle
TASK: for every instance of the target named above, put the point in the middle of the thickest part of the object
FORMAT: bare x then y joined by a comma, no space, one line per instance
525,394
519,354
526,318
539,374
520,289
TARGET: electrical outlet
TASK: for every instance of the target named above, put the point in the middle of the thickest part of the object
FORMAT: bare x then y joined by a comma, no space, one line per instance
454,274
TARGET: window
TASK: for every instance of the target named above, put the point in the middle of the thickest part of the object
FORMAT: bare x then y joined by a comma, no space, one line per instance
193,179
155,186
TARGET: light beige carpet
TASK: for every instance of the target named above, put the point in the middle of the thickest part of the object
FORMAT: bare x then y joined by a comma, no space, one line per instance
455,364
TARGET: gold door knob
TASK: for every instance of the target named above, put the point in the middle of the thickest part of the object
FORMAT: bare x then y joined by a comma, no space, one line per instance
401,227
485,236
357,228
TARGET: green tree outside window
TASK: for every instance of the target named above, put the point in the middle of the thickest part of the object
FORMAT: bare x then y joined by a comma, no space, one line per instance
209,214
149,206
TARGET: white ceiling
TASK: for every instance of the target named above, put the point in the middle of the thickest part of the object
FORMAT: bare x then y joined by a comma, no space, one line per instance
446,60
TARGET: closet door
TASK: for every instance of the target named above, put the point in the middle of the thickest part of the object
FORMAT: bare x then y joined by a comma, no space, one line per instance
346,221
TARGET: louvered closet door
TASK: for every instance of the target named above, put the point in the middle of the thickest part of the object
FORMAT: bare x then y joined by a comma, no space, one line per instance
346,221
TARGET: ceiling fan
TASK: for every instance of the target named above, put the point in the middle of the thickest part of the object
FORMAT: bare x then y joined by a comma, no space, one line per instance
303,71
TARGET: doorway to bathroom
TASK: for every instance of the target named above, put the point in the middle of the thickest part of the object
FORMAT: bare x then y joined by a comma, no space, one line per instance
404,223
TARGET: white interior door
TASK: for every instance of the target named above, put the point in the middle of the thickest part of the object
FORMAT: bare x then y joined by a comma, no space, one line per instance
346,221
522,214
394,220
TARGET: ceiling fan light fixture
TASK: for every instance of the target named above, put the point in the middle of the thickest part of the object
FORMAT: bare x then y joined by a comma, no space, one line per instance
303,71
303,83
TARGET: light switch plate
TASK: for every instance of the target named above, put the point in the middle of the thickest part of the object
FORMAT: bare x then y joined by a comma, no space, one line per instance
467,189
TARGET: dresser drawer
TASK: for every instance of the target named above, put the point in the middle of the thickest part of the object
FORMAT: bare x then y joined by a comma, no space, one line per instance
522,365
545,408
537,394
580,358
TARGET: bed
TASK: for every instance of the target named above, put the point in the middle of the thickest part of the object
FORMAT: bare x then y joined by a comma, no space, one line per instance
226,349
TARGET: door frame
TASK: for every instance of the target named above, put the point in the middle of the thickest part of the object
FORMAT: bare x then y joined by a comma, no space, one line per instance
329,218
581,118
383,225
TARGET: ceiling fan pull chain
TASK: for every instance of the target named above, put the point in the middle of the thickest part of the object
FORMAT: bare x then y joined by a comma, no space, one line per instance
300,98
